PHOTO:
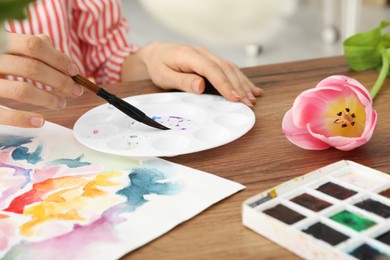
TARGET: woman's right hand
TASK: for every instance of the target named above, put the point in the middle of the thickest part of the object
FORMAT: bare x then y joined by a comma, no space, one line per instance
35,58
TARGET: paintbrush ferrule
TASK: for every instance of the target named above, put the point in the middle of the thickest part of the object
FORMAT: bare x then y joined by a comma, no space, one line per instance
120,104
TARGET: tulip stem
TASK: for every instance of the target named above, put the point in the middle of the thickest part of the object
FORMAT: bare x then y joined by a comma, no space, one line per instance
382,75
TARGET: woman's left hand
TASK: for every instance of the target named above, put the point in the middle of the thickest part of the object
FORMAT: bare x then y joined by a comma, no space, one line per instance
185,68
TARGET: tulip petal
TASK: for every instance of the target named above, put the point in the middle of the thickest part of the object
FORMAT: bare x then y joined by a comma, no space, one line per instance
372,118
310,104
300,136
335,141
338,112
337,81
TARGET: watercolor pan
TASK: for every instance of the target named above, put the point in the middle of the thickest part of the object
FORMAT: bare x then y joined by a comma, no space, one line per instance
340,211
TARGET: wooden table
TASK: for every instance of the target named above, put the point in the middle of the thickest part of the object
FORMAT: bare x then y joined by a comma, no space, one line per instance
260,159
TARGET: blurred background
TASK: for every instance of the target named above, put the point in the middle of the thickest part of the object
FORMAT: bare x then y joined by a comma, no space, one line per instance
255,32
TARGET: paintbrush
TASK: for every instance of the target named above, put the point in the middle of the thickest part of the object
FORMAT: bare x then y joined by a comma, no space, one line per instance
120,104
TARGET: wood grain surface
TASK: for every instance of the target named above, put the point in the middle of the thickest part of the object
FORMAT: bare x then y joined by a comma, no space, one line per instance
260,159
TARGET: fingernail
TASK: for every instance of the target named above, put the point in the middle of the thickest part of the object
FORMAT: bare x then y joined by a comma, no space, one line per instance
195,85
61,103
37,121
247,102
77,90
72,69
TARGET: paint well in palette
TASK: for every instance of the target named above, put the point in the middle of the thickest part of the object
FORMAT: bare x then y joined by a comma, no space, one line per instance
352,220
358,179
384,238
173,122
311,202
367,252
133,141
127,142
100,131
284,214
326,233
336,191
374,206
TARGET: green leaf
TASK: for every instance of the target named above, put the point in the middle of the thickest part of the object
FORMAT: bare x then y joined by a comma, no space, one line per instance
370,50
13,9
361,50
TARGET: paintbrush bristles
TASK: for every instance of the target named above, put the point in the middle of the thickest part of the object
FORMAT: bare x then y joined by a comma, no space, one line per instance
86,83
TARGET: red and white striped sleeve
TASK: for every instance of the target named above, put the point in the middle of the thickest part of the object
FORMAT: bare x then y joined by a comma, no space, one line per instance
91,32
101,29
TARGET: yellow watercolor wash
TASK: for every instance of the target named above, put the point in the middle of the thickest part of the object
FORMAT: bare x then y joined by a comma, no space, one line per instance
101,180
75,198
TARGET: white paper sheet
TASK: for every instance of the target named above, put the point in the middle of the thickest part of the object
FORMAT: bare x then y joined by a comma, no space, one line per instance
61,200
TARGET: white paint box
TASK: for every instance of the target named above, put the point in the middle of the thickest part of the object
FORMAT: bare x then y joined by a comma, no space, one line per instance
340,211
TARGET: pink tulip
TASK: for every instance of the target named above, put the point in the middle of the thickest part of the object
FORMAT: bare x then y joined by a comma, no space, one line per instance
338,112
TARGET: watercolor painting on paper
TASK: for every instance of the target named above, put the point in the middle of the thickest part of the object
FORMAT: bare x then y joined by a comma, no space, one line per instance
61,200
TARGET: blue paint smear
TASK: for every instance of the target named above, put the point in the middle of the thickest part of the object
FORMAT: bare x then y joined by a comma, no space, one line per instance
7,141
21,153
144,181
71,163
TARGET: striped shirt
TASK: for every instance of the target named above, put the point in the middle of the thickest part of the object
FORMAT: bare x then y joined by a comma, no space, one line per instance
91,32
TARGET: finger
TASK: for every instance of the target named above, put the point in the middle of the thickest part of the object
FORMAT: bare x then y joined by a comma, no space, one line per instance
171,79
193,61
229,69
45,38
24,92
251,91
243,87
20,118
240,89
224,76
41,48
36,70
188,82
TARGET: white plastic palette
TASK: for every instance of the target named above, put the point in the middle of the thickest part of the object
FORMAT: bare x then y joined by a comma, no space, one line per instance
341,211
197,122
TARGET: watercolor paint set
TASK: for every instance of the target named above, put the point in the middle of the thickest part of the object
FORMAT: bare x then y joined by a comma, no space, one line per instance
340,211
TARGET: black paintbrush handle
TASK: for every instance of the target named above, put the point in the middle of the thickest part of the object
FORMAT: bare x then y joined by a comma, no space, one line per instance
123,106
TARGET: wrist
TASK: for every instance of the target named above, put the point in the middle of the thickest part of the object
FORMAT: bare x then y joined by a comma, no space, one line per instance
134,68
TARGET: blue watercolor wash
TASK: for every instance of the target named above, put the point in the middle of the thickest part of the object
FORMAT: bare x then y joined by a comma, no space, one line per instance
21,153
71,163
7,141
144,181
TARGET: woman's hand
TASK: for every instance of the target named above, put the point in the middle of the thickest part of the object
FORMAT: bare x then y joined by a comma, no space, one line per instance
35,58
184,67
